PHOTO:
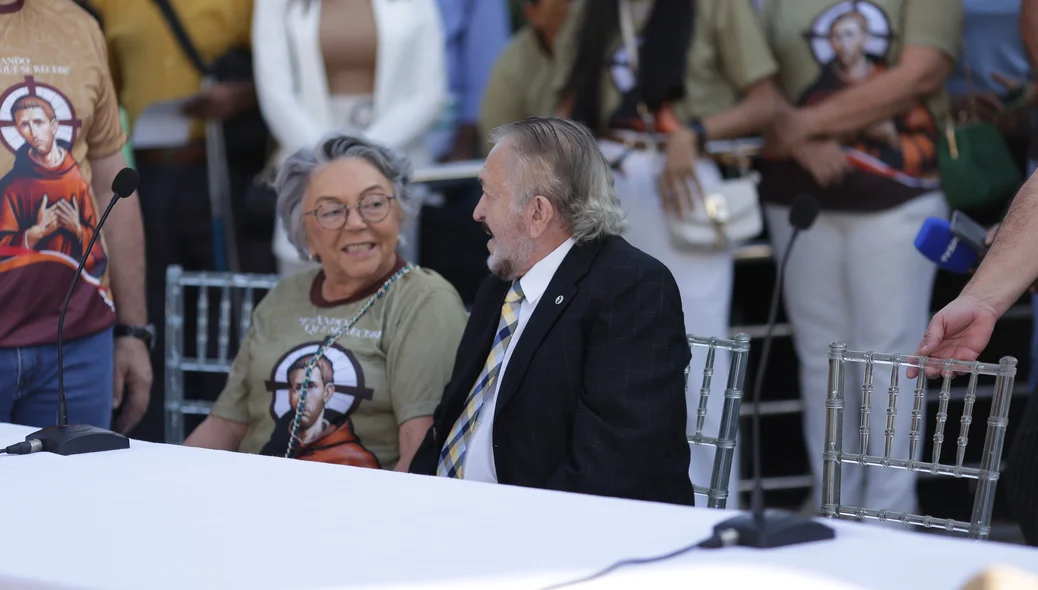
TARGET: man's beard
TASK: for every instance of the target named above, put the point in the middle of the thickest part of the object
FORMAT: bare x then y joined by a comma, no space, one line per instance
506,262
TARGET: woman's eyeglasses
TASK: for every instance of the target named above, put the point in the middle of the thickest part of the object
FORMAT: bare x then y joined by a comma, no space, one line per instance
373,208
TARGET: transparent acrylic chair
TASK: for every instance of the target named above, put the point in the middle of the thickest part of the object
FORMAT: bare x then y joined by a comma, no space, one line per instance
724,443
236,295
986,475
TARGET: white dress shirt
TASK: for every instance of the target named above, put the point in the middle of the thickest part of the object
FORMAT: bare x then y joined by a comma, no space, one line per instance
479,454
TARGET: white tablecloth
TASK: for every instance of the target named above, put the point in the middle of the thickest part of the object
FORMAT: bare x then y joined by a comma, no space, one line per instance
160,516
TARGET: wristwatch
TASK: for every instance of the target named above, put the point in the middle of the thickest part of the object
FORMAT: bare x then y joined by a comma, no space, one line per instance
697,127
145,333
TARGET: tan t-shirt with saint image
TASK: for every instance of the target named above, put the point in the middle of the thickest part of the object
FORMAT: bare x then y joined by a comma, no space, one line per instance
825,47
390,367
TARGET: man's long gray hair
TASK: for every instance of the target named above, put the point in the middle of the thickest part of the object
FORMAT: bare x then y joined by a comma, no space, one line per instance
560,160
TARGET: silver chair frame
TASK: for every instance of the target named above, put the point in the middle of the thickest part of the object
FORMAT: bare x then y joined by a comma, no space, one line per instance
240,288
724,443
833,456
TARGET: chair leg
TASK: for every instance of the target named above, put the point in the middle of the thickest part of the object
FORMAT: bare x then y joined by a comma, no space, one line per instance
831,465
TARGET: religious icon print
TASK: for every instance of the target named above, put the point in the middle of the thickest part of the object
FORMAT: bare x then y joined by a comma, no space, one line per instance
46,208
851,42
334,390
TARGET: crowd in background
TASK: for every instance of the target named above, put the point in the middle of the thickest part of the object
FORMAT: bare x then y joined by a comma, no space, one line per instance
856,102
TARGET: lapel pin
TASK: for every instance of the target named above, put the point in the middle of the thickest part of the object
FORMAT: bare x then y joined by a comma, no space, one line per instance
558,300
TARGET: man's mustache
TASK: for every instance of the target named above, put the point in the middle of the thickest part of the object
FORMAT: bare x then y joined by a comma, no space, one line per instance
486,228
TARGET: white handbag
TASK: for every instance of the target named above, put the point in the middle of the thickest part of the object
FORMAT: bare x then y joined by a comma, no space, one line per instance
727,214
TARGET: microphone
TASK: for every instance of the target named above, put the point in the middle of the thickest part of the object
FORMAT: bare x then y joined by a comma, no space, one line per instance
766,529
938,243
63,439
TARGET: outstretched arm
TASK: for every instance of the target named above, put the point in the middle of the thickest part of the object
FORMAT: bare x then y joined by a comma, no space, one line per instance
963,328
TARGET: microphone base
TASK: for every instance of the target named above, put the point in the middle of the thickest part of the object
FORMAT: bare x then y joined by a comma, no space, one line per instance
77,439
775,528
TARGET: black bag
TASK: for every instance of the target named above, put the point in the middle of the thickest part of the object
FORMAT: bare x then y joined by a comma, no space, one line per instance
246,137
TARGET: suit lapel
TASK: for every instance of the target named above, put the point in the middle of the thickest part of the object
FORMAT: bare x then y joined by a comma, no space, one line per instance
556,298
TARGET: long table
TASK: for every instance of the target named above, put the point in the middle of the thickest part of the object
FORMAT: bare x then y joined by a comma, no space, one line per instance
162,516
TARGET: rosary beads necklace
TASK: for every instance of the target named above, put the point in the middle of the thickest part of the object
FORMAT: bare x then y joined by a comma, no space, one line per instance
294,437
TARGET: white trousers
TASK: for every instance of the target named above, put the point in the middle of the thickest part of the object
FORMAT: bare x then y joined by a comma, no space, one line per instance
705,283
857,278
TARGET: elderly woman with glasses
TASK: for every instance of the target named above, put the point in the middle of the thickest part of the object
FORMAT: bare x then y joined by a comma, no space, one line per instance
347,362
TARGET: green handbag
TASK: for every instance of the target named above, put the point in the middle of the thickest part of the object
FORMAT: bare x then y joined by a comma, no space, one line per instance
977,170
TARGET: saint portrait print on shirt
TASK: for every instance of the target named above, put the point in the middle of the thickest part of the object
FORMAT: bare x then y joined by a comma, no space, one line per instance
851,42
46,210
334,391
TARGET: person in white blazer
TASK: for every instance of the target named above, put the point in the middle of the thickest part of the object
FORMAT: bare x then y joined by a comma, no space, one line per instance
409,90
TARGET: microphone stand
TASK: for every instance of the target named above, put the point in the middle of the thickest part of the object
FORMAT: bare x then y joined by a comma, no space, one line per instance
766,529
76,439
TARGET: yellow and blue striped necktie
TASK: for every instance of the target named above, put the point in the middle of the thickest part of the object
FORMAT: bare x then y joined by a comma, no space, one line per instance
452,456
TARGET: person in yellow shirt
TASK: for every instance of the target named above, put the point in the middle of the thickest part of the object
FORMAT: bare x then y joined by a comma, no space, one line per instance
123,118
150,65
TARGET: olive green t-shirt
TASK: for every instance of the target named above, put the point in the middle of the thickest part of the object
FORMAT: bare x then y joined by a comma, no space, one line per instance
390,367
519,85
727,56
827,46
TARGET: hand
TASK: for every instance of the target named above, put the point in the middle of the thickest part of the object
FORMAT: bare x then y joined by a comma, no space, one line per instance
679,164
132,370
987,104
960,331
884,132
790,129
825,160
67,213
464,147
1017,104
221,101
46,223
1023,93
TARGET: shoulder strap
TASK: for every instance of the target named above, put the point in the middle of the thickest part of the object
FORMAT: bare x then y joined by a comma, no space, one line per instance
627,35
177,28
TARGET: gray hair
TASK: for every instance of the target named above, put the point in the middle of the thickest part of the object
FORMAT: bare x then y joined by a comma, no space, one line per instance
560,160
294,176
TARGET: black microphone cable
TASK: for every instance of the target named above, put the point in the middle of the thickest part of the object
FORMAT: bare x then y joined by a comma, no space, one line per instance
24,448
725,538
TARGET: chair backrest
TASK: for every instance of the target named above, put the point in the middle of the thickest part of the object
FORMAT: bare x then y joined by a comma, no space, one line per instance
986,474
724,443
236,295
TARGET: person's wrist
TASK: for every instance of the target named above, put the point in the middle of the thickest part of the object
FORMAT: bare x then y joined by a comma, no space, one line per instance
697,128
144,333
810,121
997,301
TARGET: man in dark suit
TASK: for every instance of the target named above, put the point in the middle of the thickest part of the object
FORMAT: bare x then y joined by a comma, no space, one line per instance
570,373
